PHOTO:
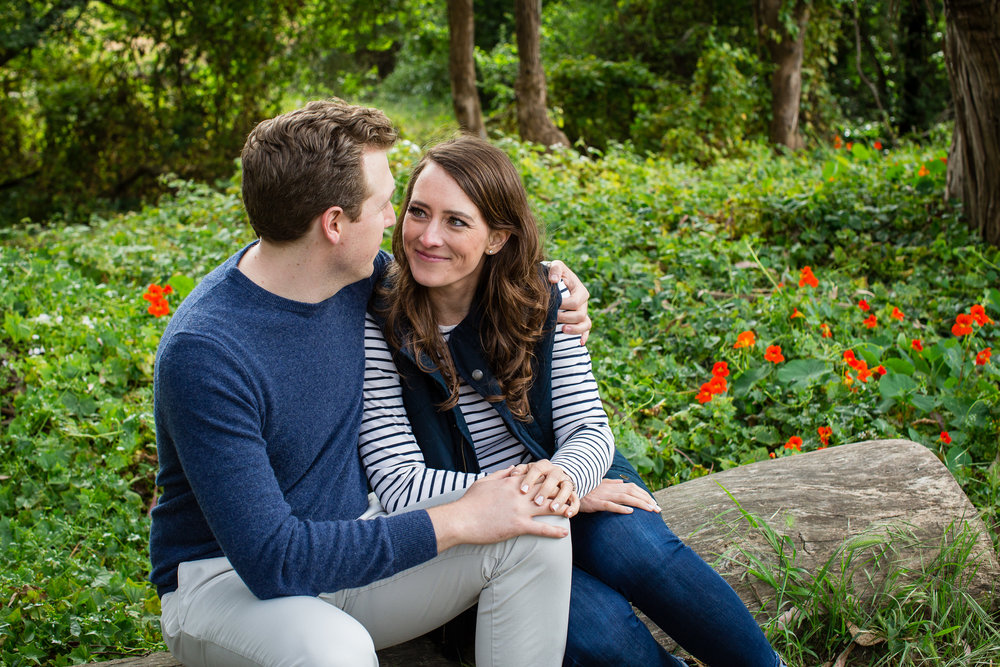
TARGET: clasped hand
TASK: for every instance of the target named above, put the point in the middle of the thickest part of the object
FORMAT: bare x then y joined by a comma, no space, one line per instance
549,483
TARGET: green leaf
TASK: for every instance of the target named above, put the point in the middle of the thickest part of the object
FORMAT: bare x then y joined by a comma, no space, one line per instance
860,151
923,402
898,365
182,285
956,458
803,372
747,379
894,385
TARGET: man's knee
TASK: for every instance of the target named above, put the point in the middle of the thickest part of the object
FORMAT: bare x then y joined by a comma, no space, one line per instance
345,647
558,552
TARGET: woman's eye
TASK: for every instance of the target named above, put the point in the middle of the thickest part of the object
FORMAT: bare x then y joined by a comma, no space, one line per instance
415,211
456,222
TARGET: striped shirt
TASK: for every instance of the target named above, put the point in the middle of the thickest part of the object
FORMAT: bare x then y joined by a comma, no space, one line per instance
395,464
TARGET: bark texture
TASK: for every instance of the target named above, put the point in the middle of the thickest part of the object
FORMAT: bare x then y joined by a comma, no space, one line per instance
462,67
533,122
786,52
819,501
972,54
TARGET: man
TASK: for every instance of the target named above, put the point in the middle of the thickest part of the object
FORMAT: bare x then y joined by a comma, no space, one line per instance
265,549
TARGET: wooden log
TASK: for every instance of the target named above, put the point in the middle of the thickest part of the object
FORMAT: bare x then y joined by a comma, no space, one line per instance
892,489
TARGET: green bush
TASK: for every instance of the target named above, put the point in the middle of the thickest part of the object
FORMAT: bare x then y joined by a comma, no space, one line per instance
679,261
597,97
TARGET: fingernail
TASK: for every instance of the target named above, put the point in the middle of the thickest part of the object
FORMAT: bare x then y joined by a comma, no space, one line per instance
555,506
524,488
539,500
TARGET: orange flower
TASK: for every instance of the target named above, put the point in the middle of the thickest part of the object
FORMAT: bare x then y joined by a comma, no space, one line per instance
871,321
944,159
772,455
837,142
850,145
863,305
794,442
979,315
923,171
745,339
877,145
703,397
153,293
983,357
863,373
796,313
717,385
848,380
917,344
720,369
159,307
897,314
945,438
773,354
963,325
825,328
824,433
156,296
806,277
849,356
880,369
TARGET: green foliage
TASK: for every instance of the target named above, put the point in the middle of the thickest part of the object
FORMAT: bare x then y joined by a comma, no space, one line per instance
113,95
679,261
869,602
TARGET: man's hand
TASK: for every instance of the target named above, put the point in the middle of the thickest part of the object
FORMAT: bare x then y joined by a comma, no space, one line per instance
573,313
618,496
492,510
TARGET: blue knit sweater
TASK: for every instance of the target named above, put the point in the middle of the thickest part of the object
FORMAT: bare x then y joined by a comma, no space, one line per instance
258,403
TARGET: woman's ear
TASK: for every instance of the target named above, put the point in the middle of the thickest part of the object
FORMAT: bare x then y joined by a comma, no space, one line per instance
497,239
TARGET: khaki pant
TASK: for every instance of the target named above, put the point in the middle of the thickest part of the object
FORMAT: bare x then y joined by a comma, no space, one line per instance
522,586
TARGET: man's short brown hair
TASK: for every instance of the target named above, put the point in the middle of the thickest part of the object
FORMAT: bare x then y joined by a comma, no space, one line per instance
299,164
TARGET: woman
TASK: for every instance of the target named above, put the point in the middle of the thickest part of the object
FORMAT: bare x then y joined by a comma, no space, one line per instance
471,376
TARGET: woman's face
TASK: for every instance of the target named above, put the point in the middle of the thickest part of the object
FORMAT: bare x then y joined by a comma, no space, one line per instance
445,238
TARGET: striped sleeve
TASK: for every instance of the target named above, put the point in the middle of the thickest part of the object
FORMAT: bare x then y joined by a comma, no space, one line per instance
389,452
585,445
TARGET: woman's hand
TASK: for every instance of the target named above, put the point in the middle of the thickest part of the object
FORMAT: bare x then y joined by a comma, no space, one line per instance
573,311
615,495
549,483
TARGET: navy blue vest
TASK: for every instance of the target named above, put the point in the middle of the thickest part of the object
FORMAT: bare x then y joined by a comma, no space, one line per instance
443,435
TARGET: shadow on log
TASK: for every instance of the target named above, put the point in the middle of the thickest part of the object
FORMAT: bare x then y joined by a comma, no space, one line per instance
892,501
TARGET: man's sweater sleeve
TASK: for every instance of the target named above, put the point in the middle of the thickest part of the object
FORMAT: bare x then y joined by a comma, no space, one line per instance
214,422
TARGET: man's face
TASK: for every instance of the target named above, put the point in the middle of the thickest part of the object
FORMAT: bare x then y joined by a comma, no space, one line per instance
364,235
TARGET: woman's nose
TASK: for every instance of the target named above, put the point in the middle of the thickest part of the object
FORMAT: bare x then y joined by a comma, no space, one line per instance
432,234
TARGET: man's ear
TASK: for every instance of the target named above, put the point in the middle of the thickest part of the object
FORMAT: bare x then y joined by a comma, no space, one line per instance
331,223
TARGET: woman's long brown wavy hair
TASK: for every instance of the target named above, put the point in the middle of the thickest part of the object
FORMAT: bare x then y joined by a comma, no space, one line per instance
512,296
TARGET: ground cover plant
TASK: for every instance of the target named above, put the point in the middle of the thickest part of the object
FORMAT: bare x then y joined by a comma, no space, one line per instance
871,310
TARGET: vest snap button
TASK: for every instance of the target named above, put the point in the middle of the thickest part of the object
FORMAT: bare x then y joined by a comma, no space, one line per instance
477,375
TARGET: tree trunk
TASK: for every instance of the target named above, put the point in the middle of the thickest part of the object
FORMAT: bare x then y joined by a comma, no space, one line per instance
462,67
972,53
533,121
786,52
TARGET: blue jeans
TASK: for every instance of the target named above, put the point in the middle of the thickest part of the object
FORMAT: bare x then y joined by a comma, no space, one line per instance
623,558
